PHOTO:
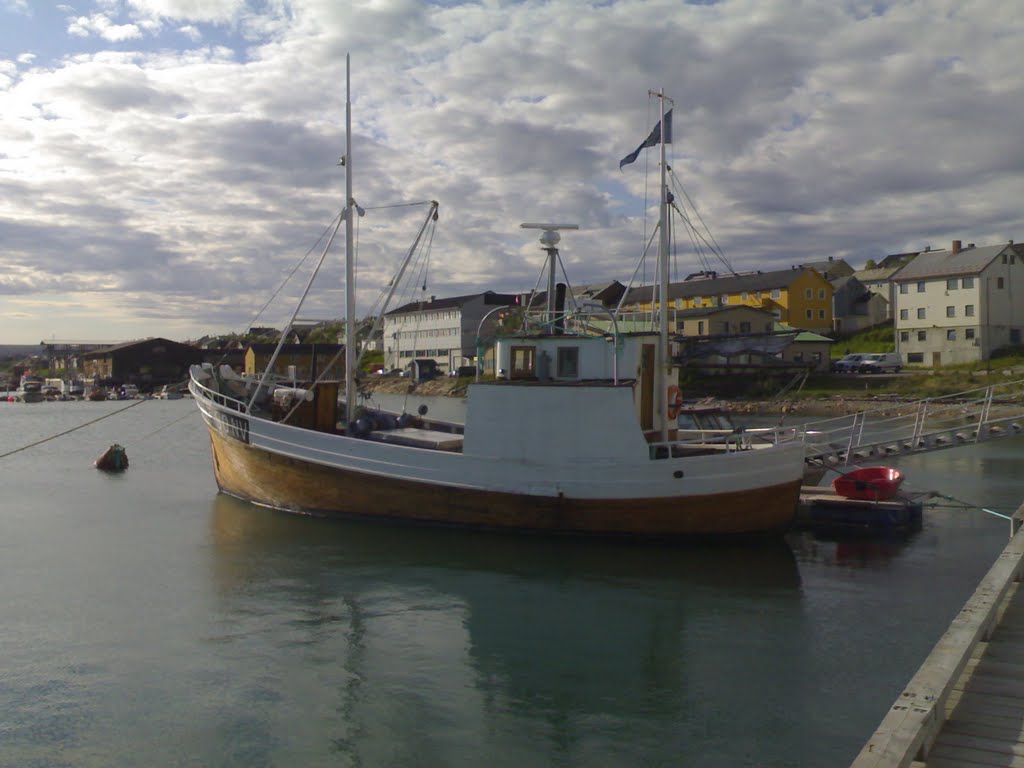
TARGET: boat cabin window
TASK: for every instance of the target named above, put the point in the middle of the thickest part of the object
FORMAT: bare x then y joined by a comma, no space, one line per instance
568,362
524,362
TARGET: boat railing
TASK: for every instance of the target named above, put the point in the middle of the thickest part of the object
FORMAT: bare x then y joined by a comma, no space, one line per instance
220,398
724,440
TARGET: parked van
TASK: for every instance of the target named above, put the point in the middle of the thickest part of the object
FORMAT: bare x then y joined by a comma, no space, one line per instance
848,364
880,362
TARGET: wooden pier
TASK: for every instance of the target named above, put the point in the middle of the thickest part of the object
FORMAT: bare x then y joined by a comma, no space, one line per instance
965,705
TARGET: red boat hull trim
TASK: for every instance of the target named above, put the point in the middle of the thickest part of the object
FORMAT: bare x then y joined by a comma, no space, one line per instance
293,485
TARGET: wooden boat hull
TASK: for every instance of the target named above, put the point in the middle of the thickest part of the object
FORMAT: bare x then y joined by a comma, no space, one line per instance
296,485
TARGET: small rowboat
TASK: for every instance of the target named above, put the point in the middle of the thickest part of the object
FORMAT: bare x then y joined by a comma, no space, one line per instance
869,483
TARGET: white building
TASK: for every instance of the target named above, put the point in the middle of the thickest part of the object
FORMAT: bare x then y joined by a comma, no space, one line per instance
957,305
442,330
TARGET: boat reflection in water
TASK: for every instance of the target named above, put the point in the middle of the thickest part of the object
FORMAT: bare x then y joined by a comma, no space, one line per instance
482,636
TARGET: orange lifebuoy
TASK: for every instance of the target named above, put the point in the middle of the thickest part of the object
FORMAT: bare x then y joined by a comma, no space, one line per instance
675,401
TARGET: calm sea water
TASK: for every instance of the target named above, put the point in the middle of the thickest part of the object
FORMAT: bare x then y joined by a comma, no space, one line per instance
147,620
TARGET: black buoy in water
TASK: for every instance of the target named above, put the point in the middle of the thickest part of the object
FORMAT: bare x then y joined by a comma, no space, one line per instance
114,459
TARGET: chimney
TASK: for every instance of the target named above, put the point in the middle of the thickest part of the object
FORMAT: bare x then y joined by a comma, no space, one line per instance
956,247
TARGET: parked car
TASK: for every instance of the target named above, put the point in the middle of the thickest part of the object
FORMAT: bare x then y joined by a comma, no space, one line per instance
848,364
881,362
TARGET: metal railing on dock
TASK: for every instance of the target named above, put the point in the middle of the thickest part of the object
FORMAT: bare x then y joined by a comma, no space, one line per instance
912,732
925,425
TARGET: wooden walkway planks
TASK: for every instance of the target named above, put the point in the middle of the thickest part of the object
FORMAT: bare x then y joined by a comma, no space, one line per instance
986,721
965,705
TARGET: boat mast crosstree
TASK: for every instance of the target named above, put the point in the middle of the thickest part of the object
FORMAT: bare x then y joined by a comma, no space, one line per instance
574,436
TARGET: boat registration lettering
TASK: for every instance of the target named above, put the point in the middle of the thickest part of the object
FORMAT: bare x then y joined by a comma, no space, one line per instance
235,427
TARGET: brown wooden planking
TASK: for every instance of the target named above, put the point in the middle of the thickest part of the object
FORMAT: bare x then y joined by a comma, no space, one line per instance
289,484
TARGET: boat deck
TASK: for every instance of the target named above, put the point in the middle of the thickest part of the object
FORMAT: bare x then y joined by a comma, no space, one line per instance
414,437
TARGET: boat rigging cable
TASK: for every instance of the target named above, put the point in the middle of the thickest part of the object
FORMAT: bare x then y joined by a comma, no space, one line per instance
69,431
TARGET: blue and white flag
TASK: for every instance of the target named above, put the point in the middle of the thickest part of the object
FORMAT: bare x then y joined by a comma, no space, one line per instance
652,140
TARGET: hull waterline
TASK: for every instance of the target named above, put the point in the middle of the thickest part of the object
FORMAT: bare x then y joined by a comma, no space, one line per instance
294,485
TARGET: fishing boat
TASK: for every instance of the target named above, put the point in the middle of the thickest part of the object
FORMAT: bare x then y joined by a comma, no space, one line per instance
576,434
869,483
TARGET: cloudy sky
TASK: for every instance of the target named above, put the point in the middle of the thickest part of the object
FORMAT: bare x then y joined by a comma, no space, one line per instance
165,164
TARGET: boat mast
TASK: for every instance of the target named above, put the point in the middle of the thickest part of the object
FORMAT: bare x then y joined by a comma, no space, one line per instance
350,289
664,359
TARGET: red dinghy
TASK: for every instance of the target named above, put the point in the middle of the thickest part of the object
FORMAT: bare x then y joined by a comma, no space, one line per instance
869,483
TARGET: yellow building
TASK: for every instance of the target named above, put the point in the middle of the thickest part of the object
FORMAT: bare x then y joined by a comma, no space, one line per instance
801,297
310,360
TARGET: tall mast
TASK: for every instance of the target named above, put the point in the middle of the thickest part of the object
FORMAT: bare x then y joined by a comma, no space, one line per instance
664,359
350,280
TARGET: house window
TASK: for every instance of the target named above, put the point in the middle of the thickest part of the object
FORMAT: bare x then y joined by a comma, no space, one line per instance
568,362
915,357
798,357
816,357
922,335
968,333
904,287
920,313
809,314
821,314
1015,336
999,282
700,327
821,293
951,284
969,310
697,300
904,335
808,293
967,282
725,298
950,311
744,296
777,292
951,334
745,327
904,314
679,303
920,286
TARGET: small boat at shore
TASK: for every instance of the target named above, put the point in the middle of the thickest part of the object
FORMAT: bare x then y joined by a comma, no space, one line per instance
869,483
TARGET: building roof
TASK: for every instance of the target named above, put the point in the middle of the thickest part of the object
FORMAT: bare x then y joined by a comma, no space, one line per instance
136,343
878,274
968,261
830,268
804,336
717,286
489,297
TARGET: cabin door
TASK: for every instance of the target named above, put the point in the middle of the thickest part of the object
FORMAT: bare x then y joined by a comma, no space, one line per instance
647,387
524,362
936,359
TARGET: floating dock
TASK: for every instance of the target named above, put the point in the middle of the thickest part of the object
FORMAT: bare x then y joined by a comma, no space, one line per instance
821,507
965,705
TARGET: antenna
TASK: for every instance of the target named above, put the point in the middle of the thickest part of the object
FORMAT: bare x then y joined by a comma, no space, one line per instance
550,239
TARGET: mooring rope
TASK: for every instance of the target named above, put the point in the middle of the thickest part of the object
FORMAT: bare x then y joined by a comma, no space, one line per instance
69,431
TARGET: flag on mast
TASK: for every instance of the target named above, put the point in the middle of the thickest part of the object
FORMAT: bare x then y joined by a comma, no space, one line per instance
653,140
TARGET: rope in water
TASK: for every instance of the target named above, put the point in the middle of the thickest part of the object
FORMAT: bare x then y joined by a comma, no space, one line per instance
967,505
69,431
